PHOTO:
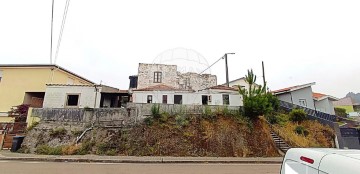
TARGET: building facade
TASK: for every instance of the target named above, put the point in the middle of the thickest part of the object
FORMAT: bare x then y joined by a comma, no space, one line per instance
26,84
81,96
155,74
217,95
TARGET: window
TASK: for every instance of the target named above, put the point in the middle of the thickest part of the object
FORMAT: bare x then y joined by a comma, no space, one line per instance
226,100
149,99
164,99
72,100
157,77
205,99
302,102
177,99
1,75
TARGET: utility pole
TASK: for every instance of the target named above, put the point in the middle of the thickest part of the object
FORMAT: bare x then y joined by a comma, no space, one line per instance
51,37
227,69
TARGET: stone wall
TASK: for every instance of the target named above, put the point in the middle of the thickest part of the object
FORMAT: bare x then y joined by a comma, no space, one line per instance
100,116
172,77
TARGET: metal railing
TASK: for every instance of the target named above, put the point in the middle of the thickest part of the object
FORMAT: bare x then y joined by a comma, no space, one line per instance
321,115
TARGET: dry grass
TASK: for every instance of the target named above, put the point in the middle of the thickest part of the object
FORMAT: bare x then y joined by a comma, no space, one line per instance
220,136
319,135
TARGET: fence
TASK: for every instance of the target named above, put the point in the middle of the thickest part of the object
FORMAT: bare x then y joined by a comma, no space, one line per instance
323,118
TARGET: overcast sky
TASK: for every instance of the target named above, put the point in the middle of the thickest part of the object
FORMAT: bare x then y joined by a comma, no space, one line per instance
104,40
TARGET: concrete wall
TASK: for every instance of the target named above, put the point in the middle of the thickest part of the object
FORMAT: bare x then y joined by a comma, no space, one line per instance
98,116
134,113
285,97
56,96
171,77
143,110
325,106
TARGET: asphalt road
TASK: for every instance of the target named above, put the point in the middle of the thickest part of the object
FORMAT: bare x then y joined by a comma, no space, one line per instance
20,167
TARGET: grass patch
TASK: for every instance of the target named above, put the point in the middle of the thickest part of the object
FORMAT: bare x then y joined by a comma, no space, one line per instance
58,132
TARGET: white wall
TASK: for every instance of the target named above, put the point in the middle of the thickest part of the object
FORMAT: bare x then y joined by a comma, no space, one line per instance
284,97
325,105
56,96
295,96
305,93
241,82
188,98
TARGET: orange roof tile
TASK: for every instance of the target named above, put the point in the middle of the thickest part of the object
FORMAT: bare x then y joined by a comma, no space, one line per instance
288,89
222,87
318,95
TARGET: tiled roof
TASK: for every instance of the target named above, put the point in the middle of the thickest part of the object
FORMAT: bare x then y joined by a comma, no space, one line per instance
160,87
44,66
292,88
318,95
222,87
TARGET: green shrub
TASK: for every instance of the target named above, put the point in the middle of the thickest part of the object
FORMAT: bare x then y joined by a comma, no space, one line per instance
282,119
340,112
208,113
297,115
111,152
149,121
58,132
301,130
85,148
164,117
155,111
181,121
47,150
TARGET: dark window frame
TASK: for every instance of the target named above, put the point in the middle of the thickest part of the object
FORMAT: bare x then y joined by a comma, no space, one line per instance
165,99
67,100
157,77
180,102
226,101
149,99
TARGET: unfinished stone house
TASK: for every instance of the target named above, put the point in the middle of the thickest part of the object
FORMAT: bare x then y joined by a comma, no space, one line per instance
155,74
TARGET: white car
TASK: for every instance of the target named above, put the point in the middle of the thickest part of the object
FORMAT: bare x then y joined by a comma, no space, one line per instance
321,161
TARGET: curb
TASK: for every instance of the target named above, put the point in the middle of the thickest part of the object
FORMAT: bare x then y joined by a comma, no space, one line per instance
160,161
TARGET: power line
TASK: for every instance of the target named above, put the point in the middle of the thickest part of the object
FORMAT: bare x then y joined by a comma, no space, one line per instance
212,64
62,29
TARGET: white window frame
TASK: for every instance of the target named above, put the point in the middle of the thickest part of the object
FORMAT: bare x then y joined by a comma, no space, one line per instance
302,102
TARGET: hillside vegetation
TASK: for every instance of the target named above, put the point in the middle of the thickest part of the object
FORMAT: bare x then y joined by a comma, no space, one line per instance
213,133
298,131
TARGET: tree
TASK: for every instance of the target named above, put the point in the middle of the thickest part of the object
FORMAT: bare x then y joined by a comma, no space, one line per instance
340,112
257,101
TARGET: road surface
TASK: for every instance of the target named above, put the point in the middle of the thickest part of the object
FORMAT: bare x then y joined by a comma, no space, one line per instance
22,167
